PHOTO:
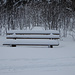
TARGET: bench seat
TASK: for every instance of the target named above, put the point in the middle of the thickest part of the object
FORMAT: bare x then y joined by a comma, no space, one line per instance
31,42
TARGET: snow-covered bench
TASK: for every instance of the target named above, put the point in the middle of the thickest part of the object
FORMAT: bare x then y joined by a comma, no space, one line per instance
37,38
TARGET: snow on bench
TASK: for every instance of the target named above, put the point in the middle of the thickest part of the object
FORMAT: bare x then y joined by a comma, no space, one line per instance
24,32
32,36
38,38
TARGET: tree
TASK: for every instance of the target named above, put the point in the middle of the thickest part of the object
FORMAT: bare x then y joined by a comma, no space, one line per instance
52,14
73,5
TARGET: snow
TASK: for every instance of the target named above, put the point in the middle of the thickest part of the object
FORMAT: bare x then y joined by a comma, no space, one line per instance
32,36
59,60
38,28
33,31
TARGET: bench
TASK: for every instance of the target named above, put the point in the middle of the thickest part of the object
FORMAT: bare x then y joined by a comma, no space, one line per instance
32,38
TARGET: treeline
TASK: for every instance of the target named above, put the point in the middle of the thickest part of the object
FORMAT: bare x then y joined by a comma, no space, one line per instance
51,14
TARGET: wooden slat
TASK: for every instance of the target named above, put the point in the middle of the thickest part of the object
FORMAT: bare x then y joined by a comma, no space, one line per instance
24,32
32,36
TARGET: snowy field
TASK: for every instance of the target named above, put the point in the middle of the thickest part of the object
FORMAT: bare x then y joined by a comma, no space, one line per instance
59,60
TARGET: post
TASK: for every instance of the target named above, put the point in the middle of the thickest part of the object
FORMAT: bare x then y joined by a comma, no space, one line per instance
12,45
50,46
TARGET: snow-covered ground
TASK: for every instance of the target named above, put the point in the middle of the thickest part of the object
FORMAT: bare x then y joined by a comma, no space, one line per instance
59,60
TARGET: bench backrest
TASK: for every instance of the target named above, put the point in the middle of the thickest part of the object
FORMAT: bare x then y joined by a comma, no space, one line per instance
46,34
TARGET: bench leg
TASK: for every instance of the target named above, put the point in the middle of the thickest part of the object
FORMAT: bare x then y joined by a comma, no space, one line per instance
50,46
12,45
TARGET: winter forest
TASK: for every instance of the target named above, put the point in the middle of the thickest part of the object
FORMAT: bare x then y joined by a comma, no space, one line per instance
37,37
50,14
